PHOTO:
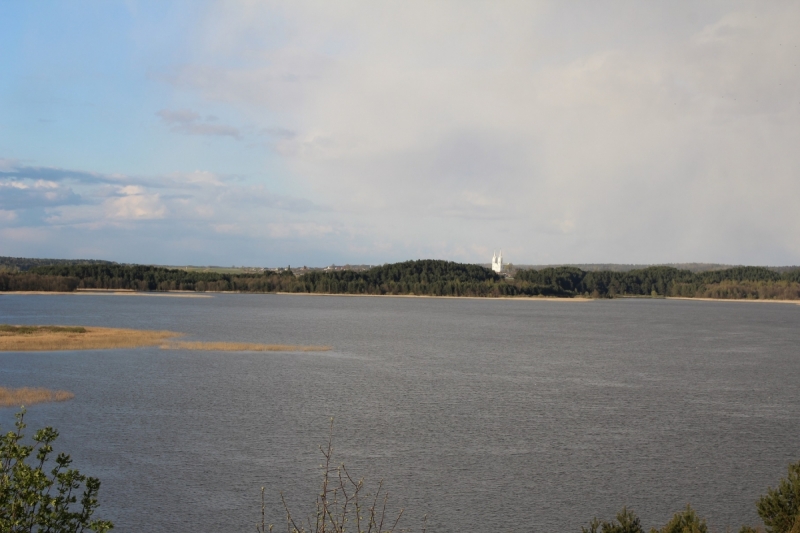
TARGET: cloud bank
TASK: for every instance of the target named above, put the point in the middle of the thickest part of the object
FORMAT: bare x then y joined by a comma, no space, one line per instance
599,132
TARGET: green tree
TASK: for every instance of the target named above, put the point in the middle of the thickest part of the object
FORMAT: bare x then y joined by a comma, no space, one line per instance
35,500
626,522
779,508
685,521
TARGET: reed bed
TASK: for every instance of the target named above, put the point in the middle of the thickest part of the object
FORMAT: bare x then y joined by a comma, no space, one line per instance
242,347
52,338
31,395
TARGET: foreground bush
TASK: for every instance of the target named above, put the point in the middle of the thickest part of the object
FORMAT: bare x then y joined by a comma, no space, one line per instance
779,509
342,505
33,499
626,522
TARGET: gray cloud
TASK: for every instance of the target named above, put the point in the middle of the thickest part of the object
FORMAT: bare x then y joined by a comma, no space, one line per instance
191,123
23,196
605,132
13,170
620,133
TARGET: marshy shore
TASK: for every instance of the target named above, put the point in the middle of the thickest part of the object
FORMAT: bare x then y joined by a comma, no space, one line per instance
31,395
58,338
52,338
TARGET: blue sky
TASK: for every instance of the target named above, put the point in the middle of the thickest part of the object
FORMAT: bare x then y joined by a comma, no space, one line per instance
270,133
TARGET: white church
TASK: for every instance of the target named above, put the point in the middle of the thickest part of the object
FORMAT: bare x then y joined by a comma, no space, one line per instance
497,262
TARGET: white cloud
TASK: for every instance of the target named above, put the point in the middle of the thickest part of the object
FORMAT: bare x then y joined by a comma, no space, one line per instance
599,132
136,207
649,135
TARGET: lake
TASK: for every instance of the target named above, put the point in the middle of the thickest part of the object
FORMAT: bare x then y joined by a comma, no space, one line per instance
486,415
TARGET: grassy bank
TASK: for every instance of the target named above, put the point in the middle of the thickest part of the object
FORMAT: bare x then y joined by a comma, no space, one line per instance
53,338
50,338
31,395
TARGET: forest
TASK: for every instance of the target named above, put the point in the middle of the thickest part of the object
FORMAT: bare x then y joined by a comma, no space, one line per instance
424,278
17,264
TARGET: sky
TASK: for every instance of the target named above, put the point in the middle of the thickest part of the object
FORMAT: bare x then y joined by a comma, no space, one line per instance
316,133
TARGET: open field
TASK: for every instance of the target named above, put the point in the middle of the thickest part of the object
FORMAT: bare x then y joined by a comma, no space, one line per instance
29,396
215,269
50,338
242,347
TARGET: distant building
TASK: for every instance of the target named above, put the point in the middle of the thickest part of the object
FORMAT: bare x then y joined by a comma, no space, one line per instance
497,262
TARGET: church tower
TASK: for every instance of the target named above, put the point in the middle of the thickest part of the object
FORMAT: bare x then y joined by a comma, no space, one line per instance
497,262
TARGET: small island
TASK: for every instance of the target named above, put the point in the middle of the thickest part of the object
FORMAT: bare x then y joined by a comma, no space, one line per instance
50,338
58,338
10,397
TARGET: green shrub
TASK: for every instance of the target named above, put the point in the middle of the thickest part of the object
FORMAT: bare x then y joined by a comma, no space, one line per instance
626,522
342,504
779,508
685,521
35,500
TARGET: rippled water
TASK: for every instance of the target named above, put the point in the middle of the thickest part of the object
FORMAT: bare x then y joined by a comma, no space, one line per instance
488,415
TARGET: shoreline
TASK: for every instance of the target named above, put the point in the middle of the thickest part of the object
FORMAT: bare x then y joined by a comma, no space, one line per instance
519,298
115,292
210,294
752,300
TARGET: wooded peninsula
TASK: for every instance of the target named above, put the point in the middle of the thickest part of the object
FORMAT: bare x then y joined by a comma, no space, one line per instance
421,278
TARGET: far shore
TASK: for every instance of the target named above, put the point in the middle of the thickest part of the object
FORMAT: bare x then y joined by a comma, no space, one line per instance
116,292
518,298
751,300
210,294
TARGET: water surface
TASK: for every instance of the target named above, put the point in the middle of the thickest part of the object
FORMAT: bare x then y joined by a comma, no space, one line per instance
488,415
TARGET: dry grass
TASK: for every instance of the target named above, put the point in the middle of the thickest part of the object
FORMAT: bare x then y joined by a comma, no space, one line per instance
30,396
51,338
242,347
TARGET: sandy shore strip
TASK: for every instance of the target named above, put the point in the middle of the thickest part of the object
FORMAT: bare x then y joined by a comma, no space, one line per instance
192,294
210,294
749,300
115,292
53,338
242,347
31,395
488,298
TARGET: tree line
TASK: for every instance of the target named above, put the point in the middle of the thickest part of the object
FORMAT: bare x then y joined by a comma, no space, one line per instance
21,264
152,278
737,282
442,278
424,278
